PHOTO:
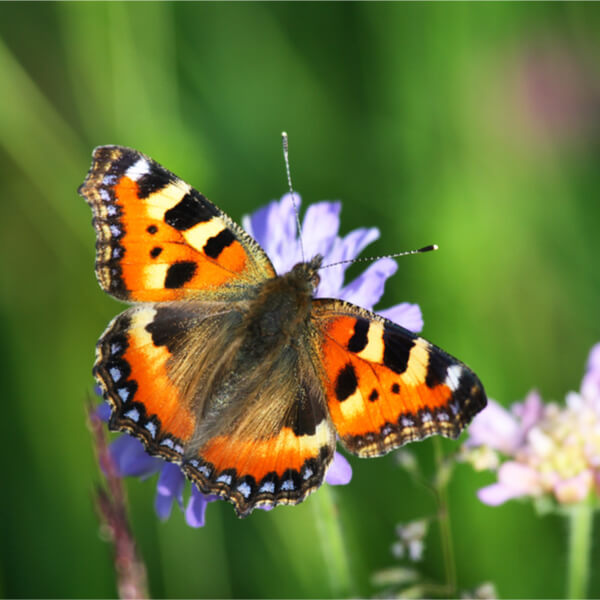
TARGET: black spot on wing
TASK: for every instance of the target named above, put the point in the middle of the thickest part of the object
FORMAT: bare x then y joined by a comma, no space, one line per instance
395,388
192,209
345,383
373,395
359,339
397,346
179,273
120,162
152,229
470,395
306,413
155,252
216,244
437,367
152,182
168,327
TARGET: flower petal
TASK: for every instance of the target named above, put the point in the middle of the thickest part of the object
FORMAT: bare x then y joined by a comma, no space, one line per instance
494,426
348,248
195,512
590,386
366,290
496,494
406,315
575,489
520,478
131,458
321,224
340,471
169,488
103,410
529,412
274,228
196,508
256,224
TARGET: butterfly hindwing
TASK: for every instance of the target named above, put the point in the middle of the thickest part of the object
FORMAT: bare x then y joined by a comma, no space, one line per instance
269,441
259,438
133,366
386,386
159,239
267,461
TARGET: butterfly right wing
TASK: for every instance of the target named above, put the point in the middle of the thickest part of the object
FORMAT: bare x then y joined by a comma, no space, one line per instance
386,386
158,239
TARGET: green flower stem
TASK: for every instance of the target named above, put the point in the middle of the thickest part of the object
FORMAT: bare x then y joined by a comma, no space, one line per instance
441,492
331,539
581,521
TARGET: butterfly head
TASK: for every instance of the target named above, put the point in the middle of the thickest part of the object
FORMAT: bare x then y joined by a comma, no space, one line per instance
309,271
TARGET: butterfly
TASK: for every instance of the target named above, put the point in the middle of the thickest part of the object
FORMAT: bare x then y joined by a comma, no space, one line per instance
235,373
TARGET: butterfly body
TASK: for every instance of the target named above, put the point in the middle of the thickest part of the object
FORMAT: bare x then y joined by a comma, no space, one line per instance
239,375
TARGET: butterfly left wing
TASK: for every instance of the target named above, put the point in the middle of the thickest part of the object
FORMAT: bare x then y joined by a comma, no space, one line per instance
261,438
158,239
386,386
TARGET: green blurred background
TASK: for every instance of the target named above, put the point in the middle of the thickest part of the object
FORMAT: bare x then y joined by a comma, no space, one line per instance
473,126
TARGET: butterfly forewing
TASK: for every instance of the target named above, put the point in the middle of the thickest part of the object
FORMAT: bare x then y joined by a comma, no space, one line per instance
159,239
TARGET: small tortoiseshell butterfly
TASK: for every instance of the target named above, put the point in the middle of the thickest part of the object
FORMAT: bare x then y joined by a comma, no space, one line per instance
236,373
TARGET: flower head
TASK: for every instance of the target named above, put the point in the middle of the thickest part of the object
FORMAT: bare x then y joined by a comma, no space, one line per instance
553,450
274,228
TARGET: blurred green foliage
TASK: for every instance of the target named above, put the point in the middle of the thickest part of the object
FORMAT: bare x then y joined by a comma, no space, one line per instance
474,126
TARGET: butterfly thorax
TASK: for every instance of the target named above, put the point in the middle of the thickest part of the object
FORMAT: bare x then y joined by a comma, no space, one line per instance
280,311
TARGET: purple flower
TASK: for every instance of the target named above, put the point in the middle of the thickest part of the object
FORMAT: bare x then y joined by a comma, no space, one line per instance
552,450
274,228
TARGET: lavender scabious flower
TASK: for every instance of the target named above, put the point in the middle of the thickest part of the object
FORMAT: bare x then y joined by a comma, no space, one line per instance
553,451
274,228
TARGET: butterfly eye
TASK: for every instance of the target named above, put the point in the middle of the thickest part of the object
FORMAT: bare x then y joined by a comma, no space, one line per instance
316,280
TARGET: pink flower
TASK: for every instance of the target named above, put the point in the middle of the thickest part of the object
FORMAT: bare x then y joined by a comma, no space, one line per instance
505,430
552,450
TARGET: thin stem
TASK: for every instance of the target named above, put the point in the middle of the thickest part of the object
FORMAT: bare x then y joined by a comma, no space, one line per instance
441,491
331,539
131,575
581,522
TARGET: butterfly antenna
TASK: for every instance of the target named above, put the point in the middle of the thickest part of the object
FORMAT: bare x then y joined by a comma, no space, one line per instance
286,158
373,258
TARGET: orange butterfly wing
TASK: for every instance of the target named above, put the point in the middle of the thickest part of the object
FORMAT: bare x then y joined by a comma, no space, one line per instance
158,238
267,445
386,386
